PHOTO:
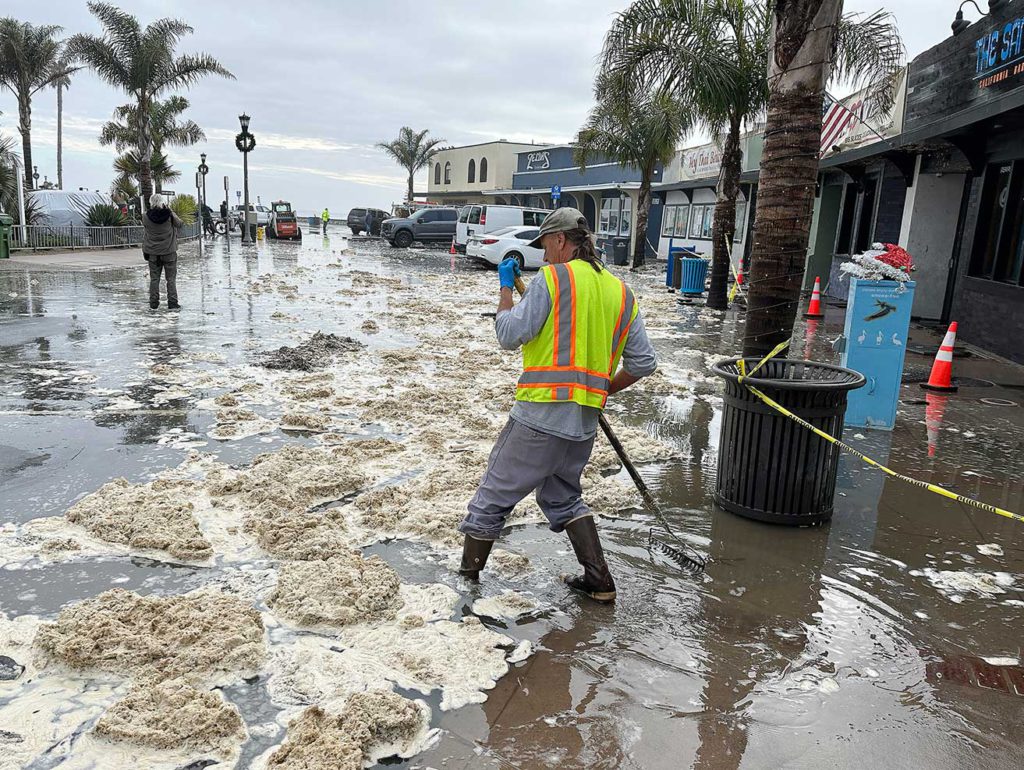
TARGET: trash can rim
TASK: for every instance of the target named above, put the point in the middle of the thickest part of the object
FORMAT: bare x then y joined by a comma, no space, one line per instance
855,379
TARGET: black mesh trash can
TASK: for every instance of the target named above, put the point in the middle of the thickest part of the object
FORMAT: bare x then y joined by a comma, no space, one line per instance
769,467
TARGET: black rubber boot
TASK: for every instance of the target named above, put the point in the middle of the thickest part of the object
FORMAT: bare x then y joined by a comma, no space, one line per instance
474,557
596,581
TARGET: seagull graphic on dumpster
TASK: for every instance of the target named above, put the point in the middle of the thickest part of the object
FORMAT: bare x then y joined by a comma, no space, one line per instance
884,309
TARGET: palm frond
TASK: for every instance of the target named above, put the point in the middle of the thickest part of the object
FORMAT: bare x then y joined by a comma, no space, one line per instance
869,52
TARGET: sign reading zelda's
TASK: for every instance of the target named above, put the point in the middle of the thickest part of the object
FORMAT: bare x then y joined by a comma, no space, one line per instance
1000,54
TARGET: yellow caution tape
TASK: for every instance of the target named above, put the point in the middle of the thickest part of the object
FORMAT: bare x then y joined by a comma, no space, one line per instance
741,365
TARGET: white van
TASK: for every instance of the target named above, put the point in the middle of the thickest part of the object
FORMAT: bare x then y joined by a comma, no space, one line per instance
486,218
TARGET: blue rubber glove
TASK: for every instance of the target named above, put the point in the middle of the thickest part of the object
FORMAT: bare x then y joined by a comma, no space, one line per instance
508,270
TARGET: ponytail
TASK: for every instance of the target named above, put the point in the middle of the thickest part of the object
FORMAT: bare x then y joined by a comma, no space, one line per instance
581,238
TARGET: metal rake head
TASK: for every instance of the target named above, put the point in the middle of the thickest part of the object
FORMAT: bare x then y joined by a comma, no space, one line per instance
686,560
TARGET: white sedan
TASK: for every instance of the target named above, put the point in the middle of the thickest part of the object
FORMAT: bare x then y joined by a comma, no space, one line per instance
492,248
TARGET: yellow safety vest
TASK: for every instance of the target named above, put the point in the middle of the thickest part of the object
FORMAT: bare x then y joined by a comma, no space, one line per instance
578,349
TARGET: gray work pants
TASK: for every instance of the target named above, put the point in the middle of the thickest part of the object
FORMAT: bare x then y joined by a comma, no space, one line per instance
524,460
170,270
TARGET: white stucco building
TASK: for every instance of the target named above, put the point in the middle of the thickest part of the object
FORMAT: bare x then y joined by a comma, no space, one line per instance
463,174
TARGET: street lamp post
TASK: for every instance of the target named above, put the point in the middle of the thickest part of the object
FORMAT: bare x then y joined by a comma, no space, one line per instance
201,192
246,143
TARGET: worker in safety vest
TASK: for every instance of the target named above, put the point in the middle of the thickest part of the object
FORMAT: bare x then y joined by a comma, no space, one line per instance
325,217
575,323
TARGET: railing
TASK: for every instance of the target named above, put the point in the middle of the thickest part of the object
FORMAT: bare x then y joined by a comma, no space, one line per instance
86,236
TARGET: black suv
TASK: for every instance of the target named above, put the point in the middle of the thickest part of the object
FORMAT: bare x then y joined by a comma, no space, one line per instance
356,220
431,225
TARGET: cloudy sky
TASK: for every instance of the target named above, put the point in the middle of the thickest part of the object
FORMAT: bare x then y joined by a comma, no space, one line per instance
323,81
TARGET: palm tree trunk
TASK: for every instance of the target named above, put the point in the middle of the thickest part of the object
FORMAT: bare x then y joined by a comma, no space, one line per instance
60,137
145,154
802,33
724,227
25,127
408,194
643,211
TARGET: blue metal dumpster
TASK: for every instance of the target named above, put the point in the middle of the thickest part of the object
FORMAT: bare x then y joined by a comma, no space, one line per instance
694,274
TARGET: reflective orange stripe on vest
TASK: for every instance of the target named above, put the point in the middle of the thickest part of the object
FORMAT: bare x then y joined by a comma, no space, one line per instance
563,376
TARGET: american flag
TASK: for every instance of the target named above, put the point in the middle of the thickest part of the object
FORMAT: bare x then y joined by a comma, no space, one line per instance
835,123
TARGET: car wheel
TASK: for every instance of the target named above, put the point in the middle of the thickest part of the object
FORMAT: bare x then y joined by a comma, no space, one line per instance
518,258
355,230
403,239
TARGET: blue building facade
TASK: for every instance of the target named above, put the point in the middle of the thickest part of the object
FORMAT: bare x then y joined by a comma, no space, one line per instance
605,191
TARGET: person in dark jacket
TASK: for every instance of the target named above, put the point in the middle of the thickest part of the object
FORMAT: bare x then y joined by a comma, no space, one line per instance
160,249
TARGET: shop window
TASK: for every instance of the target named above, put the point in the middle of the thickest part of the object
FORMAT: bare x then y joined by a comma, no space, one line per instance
626,216
437,173
609,222
701,217
866,219
471,171
682,220
999,239
845,237
668,220
447,173
483,169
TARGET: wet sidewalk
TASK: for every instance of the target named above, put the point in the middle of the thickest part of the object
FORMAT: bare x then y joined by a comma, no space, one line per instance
78,259
887,638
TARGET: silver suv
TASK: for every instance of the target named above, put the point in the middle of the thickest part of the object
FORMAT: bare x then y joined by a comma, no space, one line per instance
433,225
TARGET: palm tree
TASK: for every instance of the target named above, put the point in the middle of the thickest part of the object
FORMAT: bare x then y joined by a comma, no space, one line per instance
30,60
639,130
128,165
141,62
811,40
716,54
164,127
60,84
412,151
123,189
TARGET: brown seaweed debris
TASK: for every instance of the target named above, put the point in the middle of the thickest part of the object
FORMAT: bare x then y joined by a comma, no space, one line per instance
162,637
174,715
321,741
346,588
314,353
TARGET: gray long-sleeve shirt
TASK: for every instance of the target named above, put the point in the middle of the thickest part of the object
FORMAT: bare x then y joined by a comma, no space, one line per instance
565,419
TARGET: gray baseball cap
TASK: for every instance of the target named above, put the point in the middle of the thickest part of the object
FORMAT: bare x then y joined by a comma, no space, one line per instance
560,221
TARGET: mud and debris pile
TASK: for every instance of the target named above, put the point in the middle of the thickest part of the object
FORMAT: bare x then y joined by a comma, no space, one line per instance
315,353
343,589
370,723
300,536
173,714
292,479
197,635
157,515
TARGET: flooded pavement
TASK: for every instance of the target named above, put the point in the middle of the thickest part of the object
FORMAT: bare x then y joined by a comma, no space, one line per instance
889,637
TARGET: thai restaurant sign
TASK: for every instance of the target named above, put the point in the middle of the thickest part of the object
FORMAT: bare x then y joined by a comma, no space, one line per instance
701,162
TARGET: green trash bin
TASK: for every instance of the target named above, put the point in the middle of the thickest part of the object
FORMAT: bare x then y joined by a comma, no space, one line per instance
6,221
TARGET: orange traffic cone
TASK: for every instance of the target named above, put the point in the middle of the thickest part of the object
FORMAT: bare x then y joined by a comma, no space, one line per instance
941,378
814,309
452,251
934,411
